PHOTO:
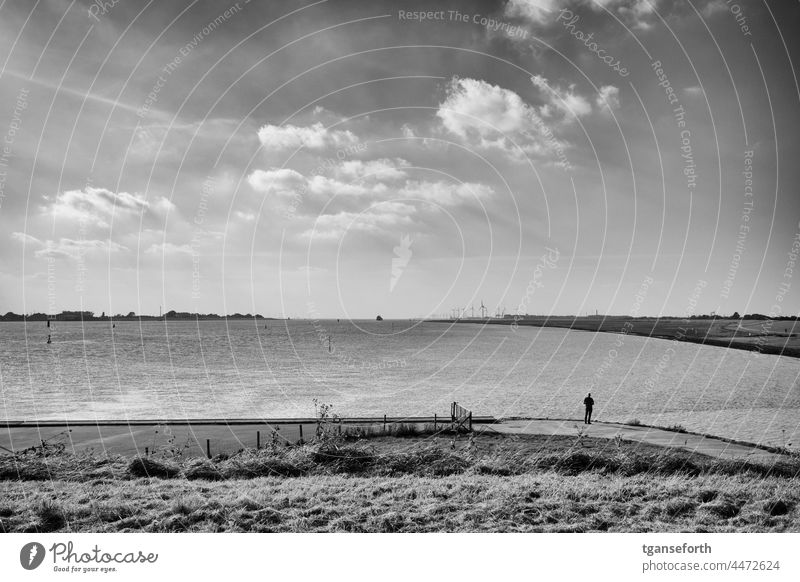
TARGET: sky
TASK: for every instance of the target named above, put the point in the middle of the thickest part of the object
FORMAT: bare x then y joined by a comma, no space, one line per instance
346,159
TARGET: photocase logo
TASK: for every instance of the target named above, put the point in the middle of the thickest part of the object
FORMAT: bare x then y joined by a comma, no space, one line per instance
402,254
31,555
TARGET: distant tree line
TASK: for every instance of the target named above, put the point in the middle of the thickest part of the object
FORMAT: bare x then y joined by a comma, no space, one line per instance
90,316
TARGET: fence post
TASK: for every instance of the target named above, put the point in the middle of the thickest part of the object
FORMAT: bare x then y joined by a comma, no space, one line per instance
384,423
435,418
258,439
470,421
301,434
208,448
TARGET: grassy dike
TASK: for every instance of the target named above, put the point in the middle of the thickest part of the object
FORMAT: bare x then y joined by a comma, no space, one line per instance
412,483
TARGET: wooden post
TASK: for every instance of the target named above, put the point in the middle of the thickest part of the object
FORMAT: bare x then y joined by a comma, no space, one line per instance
258,439
301,434
384,423
435,418
146,452
208,448
470,421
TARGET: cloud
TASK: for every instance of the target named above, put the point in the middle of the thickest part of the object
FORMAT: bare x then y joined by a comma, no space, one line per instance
284,182
607,98
693,91
75,249
714,7
26,239
636,13
315,137
486,116
533,10
561,103
97,206
291,184
279,181
445,193
377,219
381,169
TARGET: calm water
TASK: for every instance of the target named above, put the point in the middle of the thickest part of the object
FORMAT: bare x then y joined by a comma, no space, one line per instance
241,369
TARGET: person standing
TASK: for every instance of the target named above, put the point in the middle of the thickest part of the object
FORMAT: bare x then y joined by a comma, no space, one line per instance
588,402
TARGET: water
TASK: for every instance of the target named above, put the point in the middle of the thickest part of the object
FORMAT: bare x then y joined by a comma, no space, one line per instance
239,369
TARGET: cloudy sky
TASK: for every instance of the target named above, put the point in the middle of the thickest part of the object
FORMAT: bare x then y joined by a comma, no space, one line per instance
344,159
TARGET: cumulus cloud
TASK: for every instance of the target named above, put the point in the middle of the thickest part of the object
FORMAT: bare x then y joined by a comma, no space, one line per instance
636,13
377,219
291,184
288,183
486,116
446,194
533,10
279,181
607,98
315,137
97,206
714,7
381,169
561,103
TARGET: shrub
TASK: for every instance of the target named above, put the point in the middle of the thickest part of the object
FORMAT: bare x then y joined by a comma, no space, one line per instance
266,463
51,517
725,508
144,467
201,469
777,507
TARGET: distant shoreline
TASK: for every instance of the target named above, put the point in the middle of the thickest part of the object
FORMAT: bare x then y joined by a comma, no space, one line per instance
38,317
716,332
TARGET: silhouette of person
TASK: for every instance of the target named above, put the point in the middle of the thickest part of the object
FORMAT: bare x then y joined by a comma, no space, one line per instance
588,402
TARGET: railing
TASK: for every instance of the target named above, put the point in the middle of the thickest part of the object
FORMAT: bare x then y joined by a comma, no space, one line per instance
461,418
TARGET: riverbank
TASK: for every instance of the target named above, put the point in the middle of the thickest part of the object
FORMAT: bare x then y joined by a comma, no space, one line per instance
479,483
766,336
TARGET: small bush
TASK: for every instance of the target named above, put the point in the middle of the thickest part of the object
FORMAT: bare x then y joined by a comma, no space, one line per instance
707,495
266,463
203,470
677,428
51,517
725,508
679,507
144,467
777,507
352,459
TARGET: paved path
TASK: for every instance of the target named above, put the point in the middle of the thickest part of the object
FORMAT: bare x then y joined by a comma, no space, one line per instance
129,439
700,444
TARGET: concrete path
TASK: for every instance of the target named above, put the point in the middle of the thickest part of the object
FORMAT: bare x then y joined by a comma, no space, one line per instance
711,446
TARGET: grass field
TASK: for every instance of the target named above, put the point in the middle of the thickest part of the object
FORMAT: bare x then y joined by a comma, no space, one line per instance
766,336
413,484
